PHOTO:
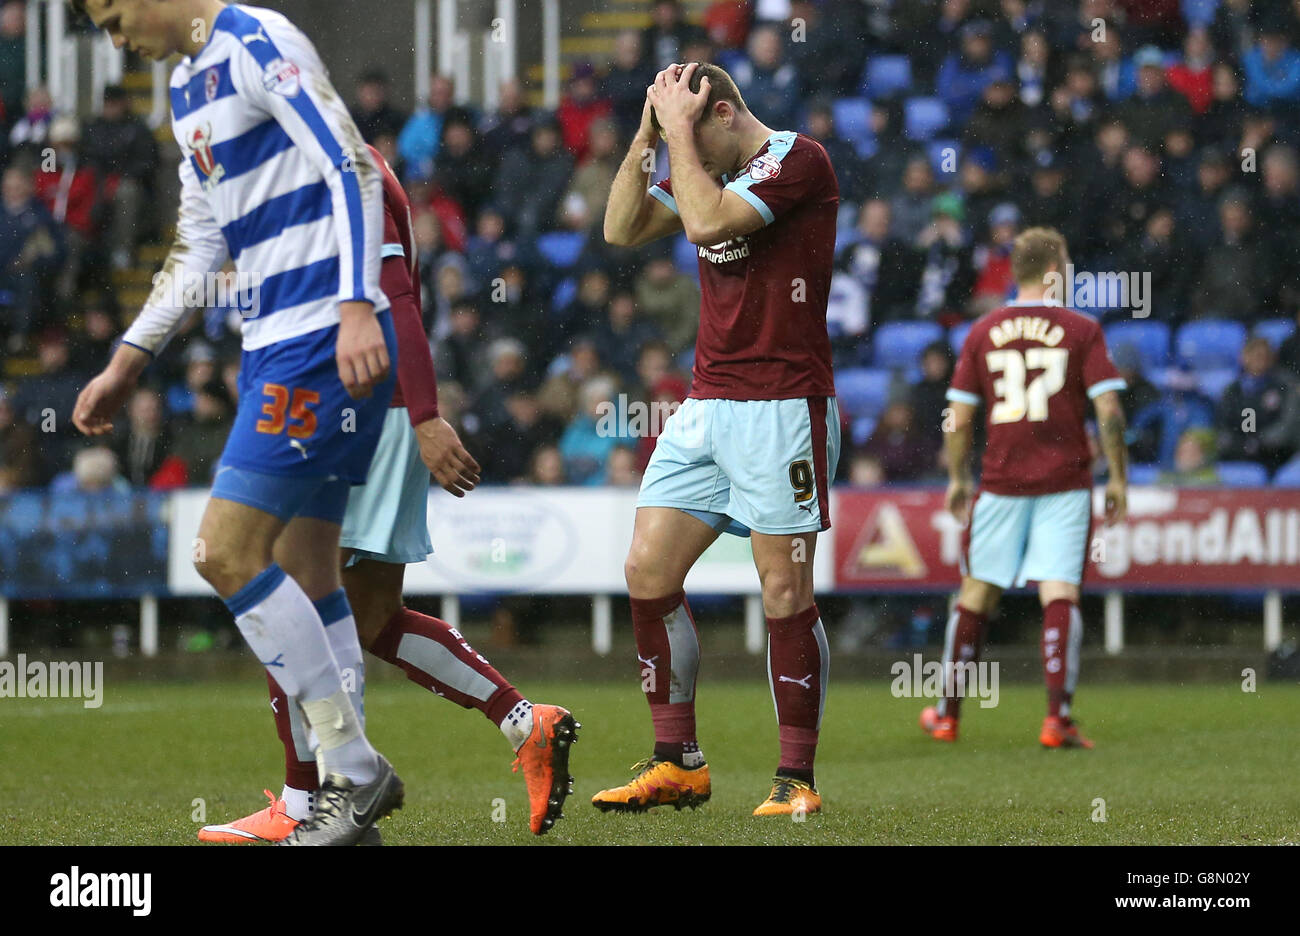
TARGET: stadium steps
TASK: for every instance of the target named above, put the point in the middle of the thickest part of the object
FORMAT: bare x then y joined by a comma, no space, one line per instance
19,366
599,30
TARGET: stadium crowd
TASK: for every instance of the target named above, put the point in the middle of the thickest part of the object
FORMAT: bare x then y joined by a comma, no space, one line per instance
1161,137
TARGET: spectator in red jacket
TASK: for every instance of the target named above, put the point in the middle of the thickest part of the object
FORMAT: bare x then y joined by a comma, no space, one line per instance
69,189
579,108
1193,77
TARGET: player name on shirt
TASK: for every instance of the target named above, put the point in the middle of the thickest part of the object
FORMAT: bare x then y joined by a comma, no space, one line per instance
1036,368
1026,328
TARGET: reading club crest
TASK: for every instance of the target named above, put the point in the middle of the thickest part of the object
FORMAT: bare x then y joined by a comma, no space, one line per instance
211,84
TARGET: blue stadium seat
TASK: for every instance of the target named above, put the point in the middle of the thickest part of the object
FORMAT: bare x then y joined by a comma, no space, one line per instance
1149,339
1199,12
1210,342
957,336
938,150
863,391
1214,381
561,249
853,121
886,76
685,257
730,58
1143,474
1243,474
862,428
1275,331
1289,474
924,117
564,292
899,344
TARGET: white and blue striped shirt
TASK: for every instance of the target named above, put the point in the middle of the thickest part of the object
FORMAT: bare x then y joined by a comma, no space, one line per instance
275,177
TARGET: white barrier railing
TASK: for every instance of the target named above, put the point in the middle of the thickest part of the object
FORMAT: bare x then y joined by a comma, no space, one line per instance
571,541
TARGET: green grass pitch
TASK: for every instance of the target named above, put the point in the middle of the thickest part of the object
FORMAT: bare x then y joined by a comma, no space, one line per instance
1173,764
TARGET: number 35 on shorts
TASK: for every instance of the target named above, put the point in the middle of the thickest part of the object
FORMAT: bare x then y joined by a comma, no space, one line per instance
286,408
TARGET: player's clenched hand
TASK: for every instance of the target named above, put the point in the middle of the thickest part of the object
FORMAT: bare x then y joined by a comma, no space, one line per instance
447,460
1116,502
958,498
360,351
674,103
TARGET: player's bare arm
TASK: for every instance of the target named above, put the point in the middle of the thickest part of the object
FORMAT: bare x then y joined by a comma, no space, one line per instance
447,459
1110,429
957,440
632,216
709,213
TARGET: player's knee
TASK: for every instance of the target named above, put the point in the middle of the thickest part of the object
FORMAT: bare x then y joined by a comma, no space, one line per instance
977,596
646,578
786,592
227,568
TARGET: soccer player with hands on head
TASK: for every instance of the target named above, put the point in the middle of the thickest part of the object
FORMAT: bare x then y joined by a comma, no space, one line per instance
752,450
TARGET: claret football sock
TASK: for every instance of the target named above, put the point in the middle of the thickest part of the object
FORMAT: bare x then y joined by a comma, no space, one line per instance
962,642
434,655
668,654
1062,637
798,665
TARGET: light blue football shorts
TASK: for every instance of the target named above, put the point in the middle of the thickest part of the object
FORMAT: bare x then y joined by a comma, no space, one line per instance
387,517
1015,540
742,465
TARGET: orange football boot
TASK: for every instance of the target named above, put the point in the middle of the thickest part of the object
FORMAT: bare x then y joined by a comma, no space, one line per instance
937,727
790,796
1062,733
545,759
657,783
268,825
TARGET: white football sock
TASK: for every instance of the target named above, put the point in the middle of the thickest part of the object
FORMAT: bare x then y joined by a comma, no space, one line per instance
518,724
341,631
298,804
343,747
284,629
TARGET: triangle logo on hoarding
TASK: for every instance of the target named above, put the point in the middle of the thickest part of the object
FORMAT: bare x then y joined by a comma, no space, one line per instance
885,548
